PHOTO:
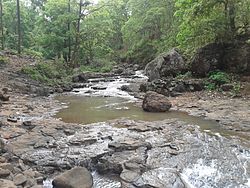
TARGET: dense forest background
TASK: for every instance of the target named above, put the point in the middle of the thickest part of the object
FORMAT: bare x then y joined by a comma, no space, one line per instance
84,33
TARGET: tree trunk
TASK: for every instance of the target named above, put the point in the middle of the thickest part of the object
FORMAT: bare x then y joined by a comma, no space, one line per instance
69,29
1,24
231,14
77,37
18,27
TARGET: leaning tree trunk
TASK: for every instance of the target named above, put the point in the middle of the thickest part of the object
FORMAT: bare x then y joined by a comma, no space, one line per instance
18,27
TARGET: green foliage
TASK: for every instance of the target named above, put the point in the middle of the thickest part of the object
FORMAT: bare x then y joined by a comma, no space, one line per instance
216,79
184,76
3,60
51,73
219,78
104,66
115,30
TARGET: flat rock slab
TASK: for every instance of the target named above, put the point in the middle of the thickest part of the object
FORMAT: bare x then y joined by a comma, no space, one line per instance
78,177
7,184
19,179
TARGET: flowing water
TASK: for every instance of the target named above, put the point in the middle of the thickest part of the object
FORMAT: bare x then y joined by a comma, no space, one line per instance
89,105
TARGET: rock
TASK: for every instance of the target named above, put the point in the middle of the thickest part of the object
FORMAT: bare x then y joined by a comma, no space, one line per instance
4,173
154,102
165,65
159,178
2,145
227,87
230,57
7,166
7,184
37,186
206,59
4,97
69,132
19,179
78,177
128,145
2,159
129,176
12,118
28,124
126,88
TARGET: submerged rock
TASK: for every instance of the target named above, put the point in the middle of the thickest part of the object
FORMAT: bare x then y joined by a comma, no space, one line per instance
78,177
154,102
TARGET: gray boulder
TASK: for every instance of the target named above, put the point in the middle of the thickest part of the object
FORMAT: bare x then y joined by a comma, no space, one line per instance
154,102
165,65
78,177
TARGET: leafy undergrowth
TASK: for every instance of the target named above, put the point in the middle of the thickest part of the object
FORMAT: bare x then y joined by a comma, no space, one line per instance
217,79
51,73
101,66
58,72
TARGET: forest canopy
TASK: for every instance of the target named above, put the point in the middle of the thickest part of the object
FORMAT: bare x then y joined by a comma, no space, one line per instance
85,32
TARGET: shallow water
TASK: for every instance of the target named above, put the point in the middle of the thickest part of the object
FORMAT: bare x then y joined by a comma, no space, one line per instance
86,110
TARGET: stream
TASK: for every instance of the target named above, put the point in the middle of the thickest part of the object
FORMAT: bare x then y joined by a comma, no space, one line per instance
102,101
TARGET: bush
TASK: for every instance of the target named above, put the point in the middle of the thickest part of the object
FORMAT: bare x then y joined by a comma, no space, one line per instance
98,66
3,60
51,73
218,78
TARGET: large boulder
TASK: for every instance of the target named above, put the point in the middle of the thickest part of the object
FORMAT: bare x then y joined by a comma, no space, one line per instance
154,102
78,177
165,65
229,57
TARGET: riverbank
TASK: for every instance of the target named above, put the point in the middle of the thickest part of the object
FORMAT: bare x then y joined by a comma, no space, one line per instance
169,152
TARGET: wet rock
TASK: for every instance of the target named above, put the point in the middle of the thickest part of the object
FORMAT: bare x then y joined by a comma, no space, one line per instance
19,179
77,141
7,184
69,132
165,65
4,173
126,88
154,102
78,177
160,178
12,118
129,176
99,87
114,163
128,145
67,88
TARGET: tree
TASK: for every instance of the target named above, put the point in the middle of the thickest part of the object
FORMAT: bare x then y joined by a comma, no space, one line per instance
18,27
1,24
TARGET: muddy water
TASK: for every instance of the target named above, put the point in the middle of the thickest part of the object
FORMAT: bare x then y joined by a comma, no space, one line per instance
86,110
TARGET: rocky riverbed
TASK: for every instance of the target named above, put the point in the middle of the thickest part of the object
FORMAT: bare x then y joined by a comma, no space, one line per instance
124,152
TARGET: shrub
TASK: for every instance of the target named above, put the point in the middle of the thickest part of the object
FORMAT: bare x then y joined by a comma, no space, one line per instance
219,78
52,73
